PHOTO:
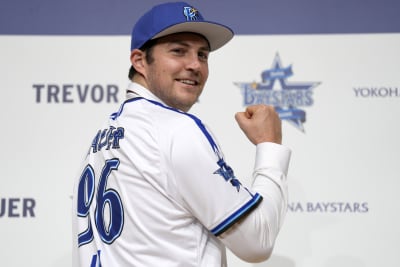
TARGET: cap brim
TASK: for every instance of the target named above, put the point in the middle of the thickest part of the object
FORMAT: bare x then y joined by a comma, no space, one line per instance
216,34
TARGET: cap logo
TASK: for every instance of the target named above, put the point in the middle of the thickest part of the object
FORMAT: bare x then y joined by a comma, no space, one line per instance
190,13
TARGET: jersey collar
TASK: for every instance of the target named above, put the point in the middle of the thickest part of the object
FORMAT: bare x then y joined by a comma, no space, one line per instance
136,90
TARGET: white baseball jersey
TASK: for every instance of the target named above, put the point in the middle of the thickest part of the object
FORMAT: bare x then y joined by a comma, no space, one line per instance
155,190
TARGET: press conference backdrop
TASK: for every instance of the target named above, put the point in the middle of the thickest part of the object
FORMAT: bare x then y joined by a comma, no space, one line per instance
331,68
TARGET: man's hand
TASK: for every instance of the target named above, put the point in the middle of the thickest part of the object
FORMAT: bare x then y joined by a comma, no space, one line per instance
260,123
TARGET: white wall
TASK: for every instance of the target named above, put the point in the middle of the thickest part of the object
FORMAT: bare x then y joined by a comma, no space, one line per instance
343,174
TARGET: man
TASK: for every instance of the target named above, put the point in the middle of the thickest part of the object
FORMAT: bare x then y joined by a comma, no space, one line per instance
154,189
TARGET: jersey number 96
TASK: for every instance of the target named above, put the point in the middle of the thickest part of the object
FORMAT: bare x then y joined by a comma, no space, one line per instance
108,212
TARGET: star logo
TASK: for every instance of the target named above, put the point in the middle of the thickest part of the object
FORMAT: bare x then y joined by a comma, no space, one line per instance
275,89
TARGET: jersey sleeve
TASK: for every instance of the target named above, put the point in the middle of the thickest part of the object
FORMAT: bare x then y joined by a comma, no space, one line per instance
253,239
206,183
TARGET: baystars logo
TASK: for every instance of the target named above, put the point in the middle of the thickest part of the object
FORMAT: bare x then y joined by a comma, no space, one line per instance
226,171
275,90
190,13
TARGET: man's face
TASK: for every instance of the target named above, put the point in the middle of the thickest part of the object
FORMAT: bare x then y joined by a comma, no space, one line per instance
179,71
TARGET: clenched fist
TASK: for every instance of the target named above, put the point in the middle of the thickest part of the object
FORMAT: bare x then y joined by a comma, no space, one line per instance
260,123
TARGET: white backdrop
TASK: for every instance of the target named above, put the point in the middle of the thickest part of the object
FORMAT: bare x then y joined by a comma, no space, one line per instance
343,175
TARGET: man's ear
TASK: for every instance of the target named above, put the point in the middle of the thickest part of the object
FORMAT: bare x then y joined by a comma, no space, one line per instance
138,58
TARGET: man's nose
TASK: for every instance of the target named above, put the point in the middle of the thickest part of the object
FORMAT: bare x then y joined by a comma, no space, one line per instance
193,62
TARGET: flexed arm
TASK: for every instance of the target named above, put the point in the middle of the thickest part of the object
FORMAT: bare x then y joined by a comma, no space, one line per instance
253,238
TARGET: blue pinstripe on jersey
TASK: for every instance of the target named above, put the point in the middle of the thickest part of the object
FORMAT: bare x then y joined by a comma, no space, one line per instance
197,120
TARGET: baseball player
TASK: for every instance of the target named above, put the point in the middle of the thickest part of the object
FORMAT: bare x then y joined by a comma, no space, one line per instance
154,188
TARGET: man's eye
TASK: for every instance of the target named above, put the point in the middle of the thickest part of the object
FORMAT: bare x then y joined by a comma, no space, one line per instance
178,51
203,56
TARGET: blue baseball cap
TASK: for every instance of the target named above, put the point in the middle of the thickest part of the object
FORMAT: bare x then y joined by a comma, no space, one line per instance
176,17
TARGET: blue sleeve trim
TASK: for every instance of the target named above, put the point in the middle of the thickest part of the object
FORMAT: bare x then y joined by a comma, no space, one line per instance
240,213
